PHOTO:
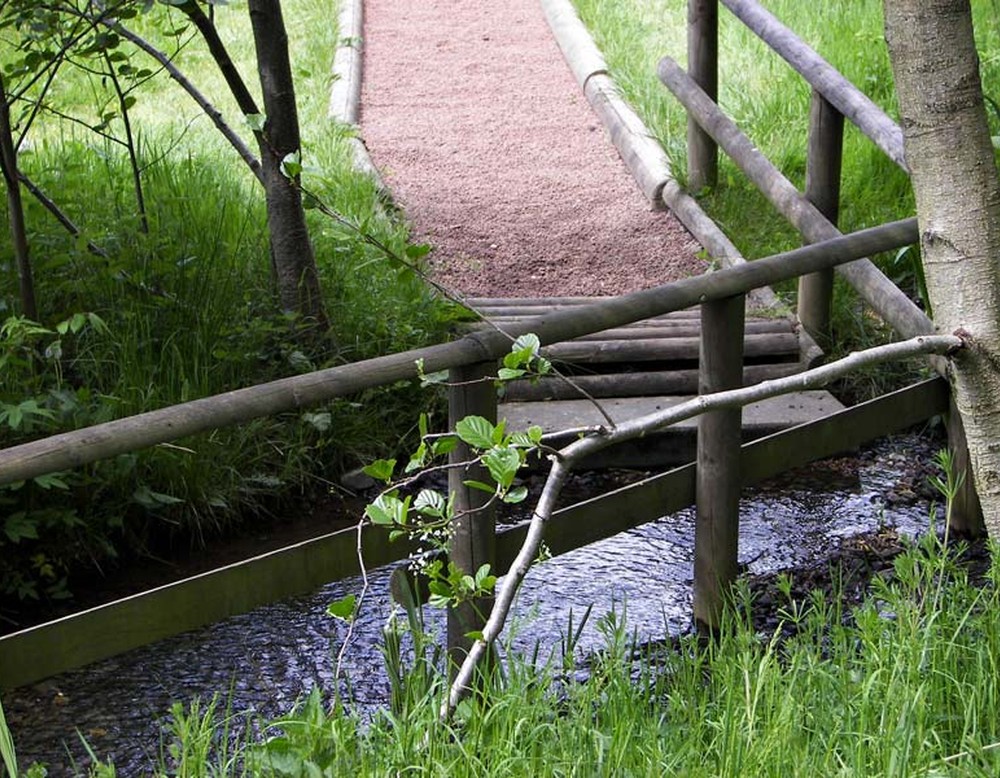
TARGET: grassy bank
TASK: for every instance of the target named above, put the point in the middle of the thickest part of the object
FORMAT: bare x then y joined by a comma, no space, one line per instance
903,684
188,310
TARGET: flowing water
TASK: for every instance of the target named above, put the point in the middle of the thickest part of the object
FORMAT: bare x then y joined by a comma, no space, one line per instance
265,660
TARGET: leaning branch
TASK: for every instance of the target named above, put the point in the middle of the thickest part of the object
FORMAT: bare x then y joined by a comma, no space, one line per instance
210,110
569,456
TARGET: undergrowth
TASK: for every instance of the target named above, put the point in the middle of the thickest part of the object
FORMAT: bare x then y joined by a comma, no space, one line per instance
185,311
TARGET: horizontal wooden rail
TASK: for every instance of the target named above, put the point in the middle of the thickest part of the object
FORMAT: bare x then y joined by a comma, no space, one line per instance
878,291
107,630
822,76
72,449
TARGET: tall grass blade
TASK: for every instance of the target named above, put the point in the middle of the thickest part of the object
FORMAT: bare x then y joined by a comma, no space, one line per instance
7,748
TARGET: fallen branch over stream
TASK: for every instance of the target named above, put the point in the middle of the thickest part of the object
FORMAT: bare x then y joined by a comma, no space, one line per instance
567,458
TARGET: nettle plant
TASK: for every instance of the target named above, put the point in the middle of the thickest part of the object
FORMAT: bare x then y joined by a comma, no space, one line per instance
425,516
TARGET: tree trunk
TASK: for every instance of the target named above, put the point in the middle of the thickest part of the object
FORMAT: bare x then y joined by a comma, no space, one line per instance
950,156
291,249
8,164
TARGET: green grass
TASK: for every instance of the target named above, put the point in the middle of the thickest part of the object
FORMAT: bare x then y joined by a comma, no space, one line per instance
905,684
189,310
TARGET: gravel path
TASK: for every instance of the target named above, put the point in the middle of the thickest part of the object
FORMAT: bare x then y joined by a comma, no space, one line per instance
487,142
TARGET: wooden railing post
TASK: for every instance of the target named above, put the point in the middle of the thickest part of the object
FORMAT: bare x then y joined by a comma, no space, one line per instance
826,144
473,540
703,67
718,479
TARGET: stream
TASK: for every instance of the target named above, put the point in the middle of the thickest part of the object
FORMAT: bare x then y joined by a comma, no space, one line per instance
265,660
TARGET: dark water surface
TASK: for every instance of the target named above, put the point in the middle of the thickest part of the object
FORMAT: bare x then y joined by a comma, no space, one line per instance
265,660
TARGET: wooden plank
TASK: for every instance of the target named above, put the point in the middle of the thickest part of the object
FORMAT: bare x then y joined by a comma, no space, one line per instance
703,63
523,311
666,349
879,292
717,488
73,641
473,538
821,75
658,328
633,384
823,163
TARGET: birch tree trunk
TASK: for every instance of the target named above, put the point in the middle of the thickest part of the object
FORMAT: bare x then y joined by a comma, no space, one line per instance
291,249
15,210
950,156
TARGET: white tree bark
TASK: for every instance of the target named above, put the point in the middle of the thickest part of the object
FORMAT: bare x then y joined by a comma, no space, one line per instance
950,156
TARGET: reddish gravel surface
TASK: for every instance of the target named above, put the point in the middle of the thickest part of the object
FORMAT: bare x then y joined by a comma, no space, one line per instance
486,140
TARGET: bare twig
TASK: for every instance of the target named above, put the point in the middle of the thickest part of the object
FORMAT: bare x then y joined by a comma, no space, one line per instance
574,452
210,110
56,211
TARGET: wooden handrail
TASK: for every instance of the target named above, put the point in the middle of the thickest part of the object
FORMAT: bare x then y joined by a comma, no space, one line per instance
822,76
72,449
878,291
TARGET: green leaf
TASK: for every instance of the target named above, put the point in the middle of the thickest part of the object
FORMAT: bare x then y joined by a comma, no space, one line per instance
476,431
19,525
343,608
488,488
387,510
503,464
380,469
256,121
516,495
418,251
51,481
528,341
444,446
429,379
430,503
474,635
418,459
509,374
321,421
147,498
422,425
291,164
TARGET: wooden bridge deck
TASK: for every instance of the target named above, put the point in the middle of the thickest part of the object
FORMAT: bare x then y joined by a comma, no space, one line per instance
649,365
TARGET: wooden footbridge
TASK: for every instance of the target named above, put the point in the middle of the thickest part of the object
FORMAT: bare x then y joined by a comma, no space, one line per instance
705,318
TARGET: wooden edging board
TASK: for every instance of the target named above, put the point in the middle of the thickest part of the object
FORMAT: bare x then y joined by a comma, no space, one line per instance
82,638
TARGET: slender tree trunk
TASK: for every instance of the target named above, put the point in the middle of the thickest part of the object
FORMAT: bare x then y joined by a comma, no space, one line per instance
291,249
8,163
950,156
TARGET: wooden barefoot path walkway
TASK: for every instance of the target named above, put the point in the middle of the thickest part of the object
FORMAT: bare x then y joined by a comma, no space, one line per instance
486,140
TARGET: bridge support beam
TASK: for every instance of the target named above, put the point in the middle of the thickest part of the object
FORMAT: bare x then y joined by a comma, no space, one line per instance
718,477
